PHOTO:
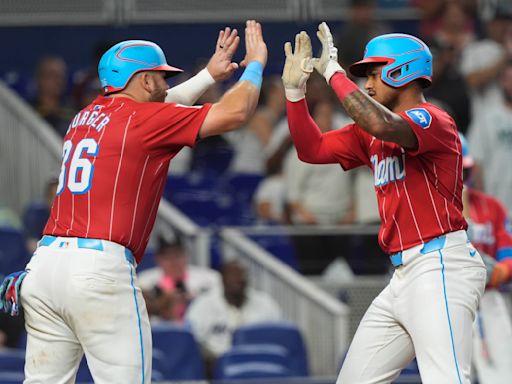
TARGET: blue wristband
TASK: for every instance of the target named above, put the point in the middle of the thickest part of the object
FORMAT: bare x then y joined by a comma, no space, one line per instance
253,73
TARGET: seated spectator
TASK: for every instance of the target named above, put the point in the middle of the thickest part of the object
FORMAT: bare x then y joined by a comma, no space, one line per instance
215,315
9,219
51,83
170,286
34,229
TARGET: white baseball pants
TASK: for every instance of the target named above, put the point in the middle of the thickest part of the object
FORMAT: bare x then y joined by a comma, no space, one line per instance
427,310
80,300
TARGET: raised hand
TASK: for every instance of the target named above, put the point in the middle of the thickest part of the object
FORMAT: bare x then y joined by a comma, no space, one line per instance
256,49
327,63
220,66
298,66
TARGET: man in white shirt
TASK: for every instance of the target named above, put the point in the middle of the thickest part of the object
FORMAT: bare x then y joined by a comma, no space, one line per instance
215,315
490,139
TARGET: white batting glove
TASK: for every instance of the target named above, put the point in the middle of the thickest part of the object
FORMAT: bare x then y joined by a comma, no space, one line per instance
327,65
297,67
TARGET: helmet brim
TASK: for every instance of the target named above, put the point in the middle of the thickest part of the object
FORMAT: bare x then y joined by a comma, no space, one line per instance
360,68
171,71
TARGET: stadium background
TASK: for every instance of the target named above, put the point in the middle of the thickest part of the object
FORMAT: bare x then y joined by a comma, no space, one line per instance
327,312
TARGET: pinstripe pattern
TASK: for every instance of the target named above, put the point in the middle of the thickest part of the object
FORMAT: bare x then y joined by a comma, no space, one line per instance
117,175
137,198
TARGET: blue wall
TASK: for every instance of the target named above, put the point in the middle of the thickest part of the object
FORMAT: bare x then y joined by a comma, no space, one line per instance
183,44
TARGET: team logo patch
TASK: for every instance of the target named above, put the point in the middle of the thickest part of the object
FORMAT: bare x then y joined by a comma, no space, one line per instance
420,116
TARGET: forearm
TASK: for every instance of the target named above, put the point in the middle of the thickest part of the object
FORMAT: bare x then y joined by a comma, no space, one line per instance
367,113
306,135
370,115
188,92
237,105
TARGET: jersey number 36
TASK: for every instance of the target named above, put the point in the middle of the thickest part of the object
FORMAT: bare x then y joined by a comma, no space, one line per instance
79,177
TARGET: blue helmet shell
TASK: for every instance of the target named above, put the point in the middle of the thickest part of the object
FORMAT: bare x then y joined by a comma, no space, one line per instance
406,59
123,60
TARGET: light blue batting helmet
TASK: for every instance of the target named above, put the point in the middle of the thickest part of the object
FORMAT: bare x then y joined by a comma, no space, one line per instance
406,58
123,60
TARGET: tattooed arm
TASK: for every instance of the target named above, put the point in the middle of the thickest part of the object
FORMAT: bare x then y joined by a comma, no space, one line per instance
372,116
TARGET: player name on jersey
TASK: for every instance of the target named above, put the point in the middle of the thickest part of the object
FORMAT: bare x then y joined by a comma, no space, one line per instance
390,168
94,119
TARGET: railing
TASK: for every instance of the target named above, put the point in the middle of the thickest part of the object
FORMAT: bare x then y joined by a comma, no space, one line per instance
29,152
196,237
122,12
322,319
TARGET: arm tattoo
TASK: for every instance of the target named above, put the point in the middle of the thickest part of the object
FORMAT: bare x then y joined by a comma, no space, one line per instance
367,113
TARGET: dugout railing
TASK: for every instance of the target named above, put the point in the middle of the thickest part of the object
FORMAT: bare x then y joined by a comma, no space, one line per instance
30,152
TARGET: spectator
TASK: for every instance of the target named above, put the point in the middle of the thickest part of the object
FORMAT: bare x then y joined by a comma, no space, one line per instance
269,199
34,225
318,194
9,219
215,315
482,61
431,12
359,29
490,140
86,83
447,45
51,81
173,283
249,143
11,329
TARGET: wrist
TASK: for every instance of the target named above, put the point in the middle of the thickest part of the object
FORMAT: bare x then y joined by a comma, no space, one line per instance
332,68
294,94
253,73
342,85
205,76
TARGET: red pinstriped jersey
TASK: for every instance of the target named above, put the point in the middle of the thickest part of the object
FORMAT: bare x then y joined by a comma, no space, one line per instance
489,225
116,155
419,192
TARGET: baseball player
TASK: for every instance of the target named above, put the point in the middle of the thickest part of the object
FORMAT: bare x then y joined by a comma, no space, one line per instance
80,292
492,336
428,308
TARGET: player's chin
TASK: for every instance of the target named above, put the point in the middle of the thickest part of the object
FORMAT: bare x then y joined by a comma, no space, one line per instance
158,97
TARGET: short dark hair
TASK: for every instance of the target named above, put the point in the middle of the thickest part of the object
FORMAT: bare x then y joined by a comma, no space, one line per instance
164,244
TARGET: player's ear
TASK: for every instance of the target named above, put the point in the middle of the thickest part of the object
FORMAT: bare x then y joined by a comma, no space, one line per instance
146,81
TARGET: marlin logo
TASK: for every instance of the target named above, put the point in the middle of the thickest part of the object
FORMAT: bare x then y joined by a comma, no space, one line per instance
388,169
